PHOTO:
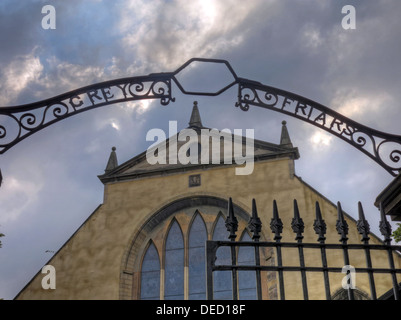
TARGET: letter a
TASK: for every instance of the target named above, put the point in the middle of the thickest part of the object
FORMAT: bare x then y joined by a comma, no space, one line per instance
349,281
49,20
156,153
349,21
49,280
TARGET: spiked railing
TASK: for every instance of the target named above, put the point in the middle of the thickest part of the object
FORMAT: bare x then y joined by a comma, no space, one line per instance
364,229
232,227
342,229
385,229
255,226
320,228
298,227
276,225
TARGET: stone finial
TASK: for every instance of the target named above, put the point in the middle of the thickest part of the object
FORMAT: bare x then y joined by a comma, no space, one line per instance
195,121
285,140
112,163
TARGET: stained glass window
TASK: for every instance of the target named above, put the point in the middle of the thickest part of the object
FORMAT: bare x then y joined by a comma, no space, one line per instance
174,264
197,259
150,276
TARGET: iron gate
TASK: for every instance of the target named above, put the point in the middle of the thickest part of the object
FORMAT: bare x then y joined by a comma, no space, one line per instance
321,246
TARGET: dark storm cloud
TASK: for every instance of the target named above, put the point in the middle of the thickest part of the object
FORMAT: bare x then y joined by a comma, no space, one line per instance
20,28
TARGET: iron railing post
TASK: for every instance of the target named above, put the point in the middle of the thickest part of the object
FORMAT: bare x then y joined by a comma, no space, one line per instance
342,229
276,226
385,229
364,229
232,227
319,226
298,227
255,225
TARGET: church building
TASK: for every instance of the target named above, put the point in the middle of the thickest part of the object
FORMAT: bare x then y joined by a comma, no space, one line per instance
147,239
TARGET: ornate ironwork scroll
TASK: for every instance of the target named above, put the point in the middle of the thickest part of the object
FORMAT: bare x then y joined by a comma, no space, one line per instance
19,122
384,148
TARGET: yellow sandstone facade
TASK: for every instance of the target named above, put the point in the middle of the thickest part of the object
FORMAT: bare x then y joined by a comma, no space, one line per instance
103,259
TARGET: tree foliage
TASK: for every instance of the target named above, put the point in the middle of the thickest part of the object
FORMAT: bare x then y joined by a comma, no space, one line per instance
397,233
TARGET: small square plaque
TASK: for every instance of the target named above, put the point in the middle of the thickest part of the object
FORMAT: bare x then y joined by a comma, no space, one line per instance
194,180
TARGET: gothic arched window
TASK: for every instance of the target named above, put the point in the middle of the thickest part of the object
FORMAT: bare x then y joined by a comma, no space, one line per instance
150,276
173,242
197,259
174,265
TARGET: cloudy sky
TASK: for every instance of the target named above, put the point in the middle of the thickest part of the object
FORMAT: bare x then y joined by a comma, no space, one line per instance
50,181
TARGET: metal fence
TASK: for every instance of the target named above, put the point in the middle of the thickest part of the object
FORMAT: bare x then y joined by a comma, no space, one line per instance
297,225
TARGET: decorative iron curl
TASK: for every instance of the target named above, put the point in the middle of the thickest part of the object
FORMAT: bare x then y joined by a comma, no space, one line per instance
394,155
360,140
3,132
395,158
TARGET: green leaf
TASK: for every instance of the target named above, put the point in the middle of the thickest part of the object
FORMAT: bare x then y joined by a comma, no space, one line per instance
397,233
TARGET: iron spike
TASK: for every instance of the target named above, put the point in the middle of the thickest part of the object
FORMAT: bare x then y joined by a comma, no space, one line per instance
362,224
255,225
297,223
231,221
319,224
341,225
276,225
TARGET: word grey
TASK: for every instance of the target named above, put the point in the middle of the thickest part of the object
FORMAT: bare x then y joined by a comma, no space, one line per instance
201,148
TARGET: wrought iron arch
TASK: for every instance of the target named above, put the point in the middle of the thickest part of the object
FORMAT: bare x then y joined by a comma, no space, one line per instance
19,122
